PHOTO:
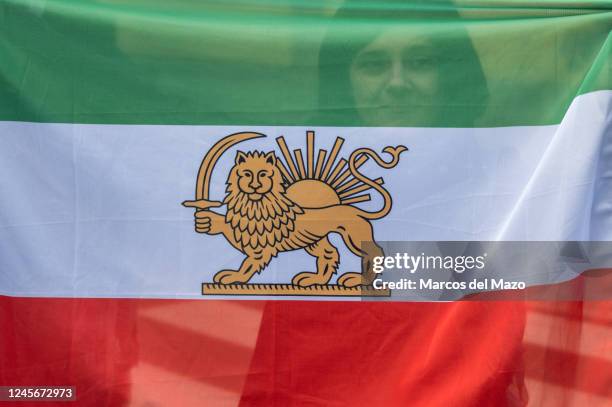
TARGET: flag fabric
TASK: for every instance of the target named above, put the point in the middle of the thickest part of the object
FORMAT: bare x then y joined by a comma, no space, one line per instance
194,196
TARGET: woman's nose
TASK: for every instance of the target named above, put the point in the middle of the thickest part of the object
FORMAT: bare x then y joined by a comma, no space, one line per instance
397,74
398,83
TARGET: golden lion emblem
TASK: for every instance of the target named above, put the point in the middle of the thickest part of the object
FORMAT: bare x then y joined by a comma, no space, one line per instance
273,208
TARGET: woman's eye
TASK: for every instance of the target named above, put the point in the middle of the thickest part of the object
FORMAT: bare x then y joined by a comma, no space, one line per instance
373,67
373,64
420,62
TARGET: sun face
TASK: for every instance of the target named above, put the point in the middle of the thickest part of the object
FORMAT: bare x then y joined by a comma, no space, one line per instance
321,182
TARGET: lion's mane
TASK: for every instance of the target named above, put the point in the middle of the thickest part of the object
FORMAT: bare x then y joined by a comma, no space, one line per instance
260,223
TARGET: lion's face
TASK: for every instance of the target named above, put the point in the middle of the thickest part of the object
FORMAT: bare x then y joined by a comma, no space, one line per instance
255,174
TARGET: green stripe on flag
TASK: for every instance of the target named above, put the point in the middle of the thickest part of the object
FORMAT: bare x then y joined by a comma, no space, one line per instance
478,63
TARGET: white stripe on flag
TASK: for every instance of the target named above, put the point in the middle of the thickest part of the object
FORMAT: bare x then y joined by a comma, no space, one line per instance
94,210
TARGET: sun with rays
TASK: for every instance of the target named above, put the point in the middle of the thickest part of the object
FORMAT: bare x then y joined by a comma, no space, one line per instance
324,181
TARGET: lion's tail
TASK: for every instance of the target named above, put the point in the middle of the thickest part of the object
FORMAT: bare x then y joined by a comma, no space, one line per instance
395,154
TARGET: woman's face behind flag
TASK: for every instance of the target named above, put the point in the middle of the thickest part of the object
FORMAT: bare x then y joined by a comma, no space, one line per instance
394,69
395,77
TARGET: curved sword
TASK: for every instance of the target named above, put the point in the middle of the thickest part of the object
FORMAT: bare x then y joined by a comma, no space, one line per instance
208,164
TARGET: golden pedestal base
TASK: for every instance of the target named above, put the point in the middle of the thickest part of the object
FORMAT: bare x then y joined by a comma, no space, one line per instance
290,290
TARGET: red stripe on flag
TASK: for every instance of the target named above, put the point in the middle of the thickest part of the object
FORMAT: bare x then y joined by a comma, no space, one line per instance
118,352
386,354
570,370
191,352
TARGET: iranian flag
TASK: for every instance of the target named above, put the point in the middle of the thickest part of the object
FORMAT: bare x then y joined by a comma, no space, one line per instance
227,203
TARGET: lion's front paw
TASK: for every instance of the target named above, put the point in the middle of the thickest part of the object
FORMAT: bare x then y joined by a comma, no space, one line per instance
306,279
230,277
352,280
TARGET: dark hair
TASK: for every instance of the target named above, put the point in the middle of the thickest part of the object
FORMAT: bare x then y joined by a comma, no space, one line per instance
463,87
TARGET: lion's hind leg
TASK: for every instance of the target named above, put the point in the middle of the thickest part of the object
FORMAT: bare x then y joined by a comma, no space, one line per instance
359,238
327,263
